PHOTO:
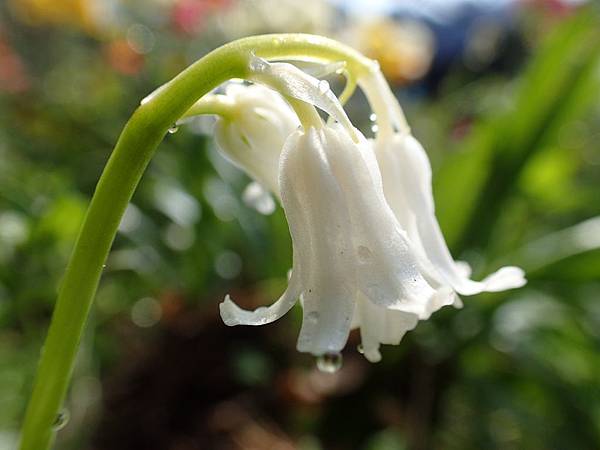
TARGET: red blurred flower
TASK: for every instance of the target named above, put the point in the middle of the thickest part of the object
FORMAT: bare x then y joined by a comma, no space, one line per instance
13,78
188,16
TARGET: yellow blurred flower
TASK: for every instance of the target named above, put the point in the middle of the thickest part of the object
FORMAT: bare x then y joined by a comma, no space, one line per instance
87,15
404,49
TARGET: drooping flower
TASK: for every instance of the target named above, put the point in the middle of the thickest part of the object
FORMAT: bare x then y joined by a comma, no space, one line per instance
348,249
367,253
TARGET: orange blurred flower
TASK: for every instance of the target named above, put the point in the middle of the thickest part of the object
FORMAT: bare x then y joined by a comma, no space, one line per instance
123,58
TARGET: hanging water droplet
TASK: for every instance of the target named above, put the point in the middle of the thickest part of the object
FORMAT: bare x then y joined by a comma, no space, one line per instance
329,362
360,349
61,420
173,129
323,86
373,117
374,128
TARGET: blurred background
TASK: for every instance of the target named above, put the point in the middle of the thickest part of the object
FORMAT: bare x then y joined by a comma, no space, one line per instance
504,95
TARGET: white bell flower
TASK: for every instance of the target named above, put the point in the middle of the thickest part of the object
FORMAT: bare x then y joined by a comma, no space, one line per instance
252,132
254,120
406,174
348,249
367,252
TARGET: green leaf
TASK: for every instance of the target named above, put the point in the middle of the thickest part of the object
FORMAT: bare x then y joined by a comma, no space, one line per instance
572,254
559,85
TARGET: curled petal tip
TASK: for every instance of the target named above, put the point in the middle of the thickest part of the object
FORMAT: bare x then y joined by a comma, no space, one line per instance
233,315
229,312
509,277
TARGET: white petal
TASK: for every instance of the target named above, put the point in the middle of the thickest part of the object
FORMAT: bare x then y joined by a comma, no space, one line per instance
397,323
233,315
293,82
383,102
444,296
464,268
508,277
318,222
327,318
372,324
382,326
407,184
388,271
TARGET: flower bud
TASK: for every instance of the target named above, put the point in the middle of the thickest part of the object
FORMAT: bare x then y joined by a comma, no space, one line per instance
254,130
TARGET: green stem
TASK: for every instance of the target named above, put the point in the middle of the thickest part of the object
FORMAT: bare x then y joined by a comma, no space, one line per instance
132,153
220,105
306,113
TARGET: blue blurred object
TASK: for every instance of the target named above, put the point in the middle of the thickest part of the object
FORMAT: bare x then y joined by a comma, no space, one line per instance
457,26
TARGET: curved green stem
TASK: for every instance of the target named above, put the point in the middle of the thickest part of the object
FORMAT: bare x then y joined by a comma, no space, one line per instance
306,113
132,153
349,88
217,104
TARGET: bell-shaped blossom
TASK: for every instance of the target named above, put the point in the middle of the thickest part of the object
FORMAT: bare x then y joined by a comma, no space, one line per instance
352,262
257,119
252,132
406,174
368,252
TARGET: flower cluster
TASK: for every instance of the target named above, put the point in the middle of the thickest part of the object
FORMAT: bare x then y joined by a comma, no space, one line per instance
368,252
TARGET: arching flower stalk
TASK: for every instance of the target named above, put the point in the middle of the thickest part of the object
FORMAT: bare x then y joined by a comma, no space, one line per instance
368,252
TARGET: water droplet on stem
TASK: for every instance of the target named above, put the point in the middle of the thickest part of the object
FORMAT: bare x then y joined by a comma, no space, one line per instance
329,362
61,420
173,129
258,65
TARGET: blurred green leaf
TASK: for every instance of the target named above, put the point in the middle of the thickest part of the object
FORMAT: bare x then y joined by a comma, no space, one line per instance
572,254
560,84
